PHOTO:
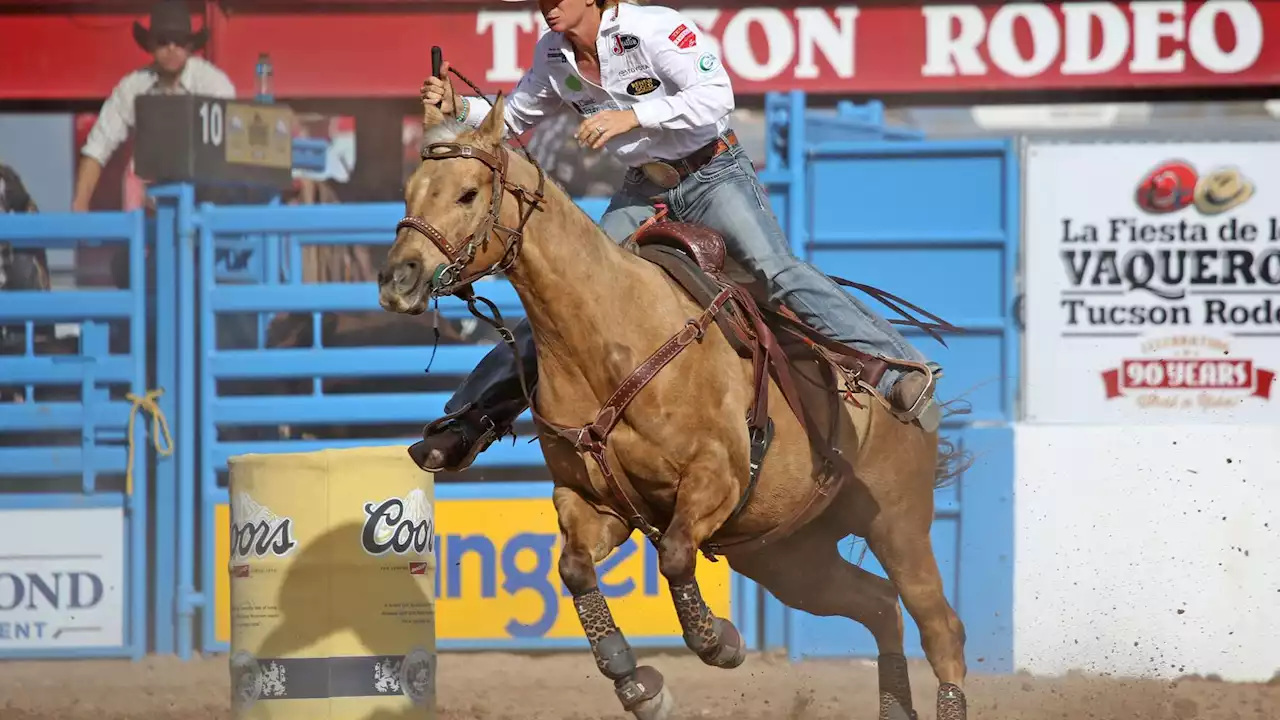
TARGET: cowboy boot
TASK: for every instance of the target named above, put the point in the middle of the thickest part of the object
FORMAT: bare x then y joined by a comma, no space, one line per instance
912,394
451,443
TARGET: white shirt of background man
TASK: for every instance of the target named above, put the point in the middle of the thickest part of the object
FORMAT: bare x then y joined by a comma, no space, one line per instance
116,119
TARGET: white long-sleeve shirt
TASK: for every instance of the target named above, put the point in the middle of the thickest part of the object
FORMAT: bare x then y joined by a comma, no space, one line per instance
654,61
116,119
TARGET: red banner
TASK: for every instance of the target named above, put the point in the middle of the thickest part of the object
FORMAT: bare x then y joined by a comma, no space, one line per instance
1187,374
836,48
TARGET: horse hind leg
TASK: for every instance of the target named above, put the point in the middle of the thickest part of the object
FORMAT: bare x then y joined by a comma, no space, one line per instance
589,537
907,557
805,571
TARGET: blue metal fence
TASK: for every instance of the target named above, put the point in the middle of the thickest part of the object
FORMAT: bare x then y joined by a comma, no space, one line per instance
937,223
246,261
73,456
951,248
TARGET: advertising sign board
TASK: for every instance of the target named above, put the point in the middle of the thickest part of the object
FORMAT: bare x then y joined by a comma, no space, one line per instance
1152,282
62,578
497,582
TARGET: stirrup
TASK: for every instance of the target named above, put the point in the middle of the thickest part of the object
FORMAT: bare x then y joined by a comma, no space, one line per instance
924,408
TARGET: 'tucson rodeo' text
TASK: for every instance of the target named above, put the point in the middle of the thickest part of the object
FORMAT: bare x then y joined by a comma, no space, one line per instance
1191,272
1009,41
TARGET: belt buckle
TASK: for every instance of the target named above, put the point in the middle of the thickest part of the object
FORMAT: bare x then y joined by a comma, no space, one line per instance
661,174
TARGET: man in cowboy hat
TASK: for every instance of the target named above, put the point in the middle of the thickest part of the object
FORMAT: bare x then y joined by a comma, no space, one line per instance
173,70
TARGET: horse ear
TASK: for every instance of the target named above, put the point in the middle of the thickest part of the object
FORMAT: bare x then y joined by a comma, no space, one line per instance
494,125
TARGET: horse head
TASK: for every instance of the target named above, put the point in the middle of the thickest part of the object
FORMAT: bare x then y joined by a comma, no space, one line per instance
457,227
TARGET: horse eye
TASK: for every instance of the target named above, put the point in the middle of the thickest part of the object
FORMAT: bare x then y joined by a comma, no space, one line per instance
467,197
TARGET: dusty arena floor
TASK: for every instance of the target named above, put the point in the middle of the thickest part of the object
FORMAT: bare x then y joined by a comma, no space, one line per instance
566,687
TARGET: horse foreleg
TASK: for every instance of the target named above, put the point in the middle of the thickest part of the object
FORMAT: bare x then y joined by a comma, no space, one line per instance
703,503
589,537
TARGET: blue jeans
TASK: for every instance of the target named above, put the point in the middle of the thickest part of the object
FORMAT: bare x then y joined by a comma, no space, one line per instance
725,195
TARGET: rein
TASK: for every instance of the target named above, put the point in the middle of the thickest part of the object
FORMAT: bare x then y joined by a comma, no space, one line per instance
452,278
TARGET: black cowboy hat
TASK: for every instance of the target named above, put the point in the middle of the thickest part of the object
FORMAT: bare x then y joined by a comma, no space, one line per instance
170,21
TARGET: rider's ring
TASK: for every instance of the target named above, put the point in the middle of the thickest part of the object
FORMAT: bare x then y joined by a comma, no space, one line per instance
599,130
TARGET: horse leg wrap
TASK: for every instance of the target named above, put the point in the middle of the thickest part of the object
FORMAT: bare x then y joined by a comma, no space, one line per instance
895,688
951,703
715,640
614,656
611,649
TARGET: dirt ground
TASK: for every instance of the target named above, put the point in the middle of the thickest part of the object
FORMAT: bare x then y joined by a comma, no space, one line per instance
494,686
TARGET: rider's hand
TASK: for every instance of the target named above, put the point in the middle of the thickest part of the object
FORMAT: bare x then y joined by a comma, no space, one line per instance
436,90
605,125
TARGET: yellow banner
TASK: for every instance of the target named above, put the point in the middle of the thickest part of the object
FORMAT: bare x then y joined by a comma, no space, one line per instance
497,580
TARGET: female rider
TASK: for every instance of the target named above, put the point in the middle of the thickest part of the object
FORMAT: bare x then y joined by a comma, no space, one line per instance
650,88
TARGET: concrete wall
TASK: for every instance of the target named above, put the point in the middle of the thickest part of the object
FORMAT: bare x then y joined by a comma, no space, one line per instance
1148,551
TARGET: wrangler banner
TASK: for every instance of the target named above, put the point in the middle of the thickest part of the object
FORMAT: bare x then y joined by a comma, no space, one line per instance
1152,282
497,583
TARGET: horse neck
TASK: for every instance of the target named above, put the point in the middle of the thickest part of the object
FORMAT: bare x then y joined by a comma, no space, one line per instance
570,276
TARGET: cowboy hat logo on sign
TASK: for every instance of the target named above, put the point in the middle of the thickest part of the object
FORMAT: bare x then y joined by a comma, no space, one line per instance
1162,273
1173,185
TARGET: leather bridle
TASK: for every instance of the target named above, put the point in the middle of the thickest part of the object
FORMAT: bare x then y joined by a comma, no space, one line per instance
456,276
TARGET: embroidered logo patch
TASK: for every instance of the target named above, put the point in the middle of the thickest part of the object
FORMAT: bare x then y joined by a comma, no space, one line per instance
643,86
683,37
708,63
624,43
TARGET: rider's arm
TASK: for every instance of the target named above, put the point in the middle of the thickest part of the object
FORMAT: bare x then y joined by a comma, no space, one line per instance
533,99
705,94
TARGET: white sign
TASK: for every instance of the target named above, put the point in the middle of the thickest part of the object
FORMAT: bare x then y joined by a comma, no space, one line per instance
1152,282
62,578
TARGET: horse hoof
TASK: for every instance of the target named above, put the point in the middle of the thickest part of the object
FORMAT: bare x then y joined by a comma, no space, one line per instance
661,707
897,712
730,653
951,703
644,694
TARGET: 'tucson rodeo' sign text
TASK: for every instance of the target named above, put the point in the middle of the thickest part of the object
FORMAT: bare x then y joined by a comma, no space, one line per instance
958,46
819,47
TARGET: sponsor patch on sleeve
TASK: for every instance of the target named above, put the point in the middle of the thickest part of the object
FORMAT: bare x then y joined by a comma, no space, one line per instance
707,63
683,37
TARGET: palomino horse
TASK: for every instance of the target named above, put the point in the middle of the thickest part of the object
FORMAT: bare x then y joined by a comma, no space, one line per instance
670,453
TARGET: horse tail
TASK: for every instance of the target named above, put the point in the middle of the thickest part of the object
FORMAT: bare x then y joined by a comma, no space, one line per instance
953,459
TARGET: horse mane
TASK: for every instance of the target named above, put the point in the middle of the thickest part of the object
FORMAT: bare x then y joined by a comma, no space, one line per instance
445,131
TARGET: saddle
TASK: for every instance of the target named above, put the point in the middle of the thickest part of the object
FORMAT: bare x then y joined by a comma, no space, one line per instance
694,257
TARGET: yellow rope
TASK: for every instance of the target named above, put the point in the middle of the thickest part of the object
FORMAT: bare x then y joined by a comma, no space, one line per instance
159,428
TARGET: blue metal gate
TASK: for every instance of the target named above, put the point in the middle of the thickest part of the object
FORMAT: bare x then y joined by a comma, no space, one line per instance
936,223
246,261
74,455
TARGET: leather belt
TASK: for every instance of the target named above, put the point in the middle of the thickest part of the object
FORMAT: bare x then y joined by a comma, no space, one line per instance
670,173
